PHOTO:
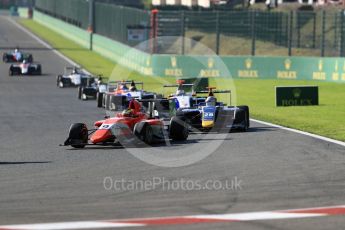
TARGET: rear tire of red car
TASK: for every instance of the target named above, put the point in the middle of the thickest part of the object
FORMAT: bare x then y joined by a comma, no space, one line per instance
78,133
148,135
178,129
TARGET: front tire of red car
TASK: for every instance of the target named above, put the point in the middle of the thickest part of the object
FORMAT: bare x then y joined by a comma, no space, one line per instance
78,134
144,132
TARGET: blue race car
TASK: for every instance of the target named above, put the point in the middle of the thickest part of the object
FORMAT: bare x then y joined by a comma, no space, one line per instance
211,115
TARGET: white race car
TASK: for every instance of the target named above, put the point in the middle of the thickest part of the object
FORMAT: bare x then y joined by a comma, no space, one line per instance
25,68
72,77
116,95
185,96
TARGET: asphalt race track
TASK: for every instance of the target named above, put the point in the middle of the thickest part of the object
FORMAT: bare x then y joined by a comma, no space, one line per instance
42,182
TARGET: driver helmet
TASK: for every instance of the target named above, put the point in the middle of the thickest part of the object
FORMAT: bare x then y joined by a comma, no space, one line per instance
211,101
75,71
134,105
133,109
25,61
133,88
123,86
179,92
127,112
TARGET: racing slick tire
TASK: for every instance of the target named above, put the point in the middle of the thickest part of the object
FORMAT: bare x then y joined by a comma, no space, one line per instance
247,117
13,71
4,58
78,135
80,91
39,70
59,82
104,100
144,132
148,134
30,58
99,99
83,96
193,118
178,130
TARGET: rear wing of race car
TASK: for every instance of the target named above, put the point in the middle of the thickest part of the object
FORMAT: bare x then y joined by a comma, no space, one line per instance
69,69
177,85
113,84
183,85
216,92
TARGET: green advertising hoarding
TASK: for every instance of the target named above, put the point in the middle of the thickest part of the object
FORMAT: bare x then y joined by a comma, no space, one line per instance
207,66
296,68
297,95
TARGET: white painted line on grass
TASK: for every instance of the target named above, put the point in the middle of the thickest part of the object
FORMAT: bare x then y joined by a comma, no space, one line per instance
301,132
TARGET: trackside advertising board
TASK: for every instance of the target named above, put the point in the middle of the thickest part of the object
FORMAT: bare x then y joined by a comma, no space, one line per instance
203,66
247,67
297,95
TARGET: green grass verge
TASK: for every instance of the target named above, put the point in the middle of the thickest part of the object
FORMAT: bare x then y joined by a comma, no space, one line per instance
92,61
328,119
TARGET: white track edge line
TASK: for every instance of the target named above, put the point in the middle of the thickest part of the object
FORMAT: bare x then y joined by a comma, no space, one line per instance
301,132
70,61
244,216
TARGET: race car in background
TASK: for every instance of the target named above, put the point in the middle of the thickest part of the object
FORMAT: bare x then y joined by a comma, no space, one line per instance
116,95
25,68
185,96
73,77
127,128
89,89
212,115
17,56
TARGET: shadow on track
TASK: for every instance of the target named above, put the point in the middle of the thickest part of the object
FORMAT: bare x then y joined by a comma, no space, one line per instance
154,145
177,143
261,129
24,162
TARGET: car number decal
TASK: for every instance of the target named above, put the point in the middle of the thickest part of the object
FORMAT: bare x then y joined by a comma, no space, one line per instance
208,113
106,126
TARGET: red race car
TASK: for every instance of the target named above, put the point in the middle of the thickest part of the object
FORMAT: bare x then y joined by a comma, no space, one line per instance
128,127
